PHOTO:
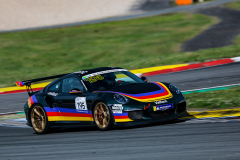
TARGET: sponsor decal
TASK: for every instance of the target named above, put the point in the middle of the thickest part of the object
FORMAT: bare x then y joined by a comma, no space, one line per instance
80,103
81,72
117,111
94,78
102,72
160,102
117,108
133,109
82,111
52,93
163,107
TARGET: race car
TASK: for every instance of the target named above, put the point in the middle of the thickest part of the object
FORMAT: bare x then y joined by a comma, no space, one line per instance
104,97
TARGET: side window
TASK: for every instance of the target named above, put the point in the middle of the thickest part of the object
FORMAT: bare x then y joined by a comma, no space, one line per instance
55,87
71,83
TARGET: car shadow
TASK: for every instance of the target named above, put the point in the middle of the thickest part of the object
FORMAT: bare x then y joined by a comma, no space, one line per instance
93,128
150,124
74,129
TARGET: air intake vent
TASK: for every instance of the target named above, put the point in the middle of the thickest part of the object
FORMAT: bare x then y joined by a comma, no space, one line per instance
181,107
160,114
135,115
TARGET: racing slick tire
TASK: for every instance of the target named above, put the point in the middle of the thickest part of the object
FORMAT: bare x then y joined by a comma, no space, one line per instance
39,120
102,116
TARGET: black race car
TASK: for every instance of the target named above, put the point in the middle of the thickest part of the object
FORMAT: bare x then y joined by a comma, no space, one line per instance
104,97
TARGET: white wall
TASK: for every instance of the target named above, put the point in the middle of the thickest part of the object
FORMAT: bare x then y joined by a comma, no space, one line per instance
20,14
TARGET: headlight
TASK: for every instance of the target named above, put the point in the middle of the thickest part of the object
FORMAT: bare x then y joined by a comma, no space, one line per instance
174,89
121,99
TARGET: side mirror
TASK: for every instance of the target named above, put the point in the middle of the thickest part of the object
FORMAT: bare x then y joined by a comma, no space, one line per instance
144,79
75,91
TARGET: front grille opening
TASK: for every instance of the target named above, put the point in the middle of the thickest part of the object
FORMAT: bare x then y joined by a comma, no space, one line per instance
160,114
134,115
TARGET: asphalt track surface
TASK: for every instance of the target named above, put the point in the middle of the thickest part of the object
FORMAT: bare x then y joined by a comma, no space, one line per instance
153,5
208,141
186,80
219,35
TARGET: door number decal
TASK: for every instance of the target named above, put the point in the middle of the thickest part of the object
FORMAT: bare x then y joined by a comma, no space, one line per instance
80,103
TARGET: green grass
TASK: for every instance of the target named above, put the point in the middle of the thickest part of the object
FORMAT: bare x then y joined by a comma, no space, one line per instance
221,99
13,116
233,5
130,44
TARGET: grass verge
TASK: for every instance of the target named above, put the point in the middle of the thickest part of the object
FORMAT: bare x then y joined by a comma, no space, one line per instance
13,116
220,99
131,44
233,5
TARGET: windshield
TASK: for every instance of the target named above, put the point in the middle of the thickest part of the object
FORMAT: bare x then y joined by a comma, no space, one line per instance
102,81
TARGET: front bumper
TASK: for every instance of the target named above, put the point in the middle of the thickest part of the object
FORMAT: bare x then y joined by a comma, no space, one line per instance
151,115
150,120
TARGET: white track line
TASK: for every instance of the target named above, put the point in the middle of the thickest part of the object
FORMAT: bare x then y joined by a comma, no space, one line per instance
236,59
11,112
212,87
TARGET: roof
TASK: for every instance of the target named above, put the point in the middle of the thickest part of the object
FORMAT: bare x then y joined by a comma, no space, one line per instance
90,71
79,73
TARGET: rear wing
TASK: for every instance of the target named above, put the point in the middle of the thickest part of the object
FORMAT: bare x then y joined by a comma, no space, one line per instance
28,83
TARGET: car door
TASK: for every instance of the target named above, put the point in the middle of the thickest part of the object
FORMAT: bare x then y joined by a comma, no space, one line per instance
52,100
73,107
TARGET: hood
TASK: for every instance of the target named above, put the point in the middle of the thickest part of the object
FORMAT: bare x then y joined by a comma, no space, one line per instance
143,92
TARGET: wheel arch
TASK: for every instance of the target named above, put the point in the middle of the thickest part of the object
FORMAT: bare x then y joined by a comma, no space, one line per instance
95,102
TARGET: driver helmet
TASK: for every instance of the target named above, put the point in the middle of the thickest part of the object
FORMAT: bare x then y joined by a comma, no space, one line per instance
109,77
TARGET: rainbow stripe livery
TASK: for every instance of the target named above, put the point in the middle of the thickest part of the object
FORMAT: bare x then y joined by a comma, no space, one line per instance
121,117
20,84
64,114
161,94
32,100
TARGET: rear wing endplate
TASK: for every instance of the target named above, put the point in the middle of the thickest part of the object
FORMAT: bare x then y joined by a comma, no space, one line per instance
28,83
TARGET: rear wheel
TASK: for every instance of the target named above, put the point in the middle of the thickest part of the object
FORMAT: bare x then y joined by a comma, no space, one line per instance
102,116
39,120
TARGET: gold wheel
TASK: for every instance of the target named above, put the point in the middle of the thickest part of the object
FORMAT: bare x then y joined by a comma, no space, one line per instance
38,119
101,115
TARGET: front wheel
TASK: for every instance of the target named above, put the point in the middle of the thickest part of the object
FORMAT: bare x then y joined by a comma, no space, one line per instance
39,120
103,118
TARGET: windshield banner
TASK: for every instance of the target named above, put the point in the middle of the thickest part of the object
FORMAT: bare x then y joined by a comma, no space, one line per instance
102,72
